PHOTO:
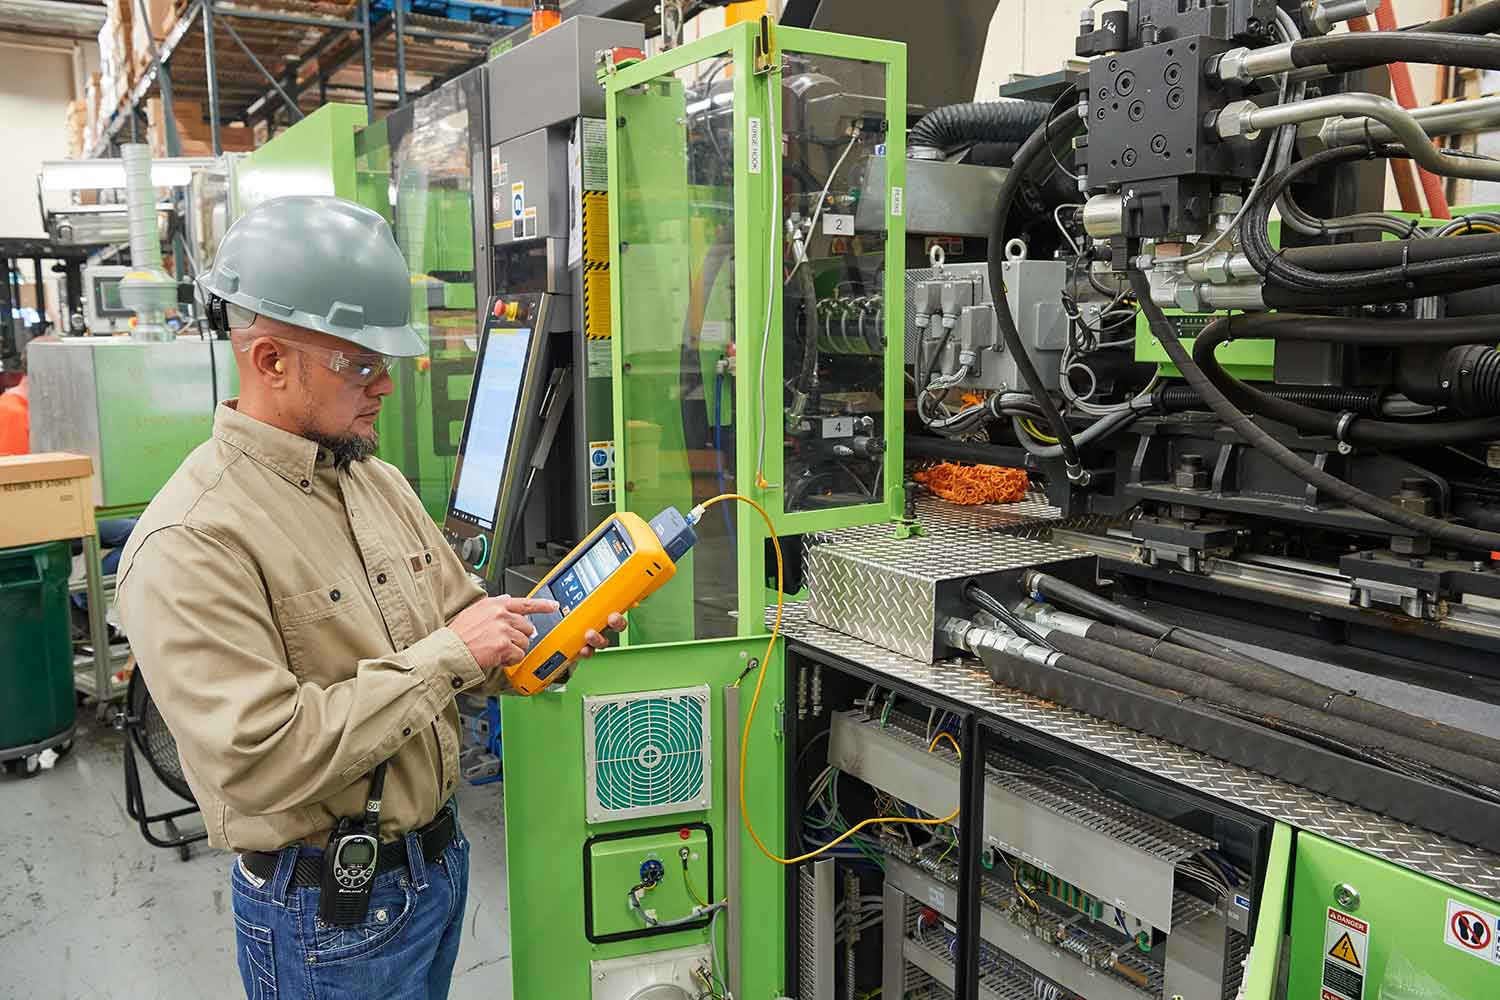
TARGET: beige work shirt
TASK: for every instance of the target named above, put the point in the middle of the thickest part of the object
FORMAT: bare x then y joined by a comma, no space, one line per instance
289,618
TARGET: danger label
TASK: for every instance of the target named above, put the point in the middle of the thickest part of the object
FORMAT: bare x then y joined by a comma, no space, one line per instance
1346,953
1472,931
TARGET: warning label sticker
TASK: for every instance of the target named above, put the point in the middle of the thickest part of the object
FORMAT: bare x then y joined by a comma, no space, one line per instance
1346,954
1472,931
601,473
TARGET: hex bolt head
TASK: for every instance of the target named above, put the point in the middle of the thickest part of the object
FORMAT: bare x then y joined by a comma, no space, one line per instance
1125,83
1346,896
1128,157
1137,110
1158,143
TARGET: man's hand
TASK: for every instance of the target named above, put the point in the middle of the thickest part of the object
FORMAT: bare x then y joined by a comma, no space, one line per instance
497,631
596,641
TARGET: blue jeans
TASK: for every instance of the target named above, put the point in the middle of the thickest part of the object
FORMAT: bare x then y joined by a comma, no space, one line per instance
404,950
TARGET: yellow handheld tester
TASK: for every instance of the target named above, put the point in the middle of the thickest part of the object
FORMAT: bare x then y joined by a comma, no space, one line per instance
618,565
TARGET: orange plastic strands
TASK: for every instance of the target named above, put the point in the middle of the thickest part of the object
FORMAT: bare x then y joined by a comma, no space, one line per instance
975,484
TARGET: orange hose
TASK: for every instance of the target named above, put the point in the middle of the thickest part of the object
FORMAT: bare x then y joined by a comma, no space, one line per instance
1401,170
1406,96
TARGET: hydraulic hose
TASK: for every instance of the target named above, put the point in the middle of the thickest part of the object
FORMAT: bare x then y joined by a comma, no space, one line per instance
809,373
1443,531
1158,672
986,601
1063,592
1279,683
1373,433
1346,53
1478,20
1035,147
953,125
1363,401
1406,96
1372,271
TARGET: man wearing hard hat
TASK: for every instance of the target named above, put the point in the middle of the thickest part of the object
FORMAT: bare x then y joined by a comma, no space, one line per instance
304,628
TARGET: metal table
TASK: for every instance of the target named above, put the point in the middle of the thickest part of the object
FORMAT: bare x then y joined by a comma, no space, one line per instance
98,684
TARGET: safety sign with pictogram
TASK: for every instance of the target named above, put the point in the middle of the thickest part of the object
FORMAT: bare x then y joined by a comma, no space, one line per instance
1346,955
1472,931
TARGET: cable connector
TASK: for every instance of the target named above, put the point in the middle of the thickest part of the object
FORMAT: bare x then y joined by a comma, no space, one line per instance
695,515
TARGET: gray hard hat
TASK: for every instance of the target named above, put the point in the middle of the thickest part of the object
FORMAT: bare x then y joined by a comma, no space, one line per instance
323,263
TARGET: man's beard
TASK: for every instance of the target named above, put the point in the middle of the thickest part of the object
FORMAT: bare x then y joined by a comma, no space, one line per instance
347,448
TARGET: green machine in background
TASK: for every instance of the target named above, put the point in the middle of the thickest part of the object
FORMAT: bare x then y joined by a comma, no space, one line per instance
415,167
735,166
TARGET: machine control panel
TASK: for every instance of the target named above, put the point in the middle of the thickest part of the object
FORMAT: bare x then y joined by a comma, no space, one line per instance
482,504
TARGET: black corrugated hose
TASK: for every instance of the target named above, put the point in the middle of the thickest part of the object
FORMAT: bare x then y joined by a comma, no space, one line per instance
1439,530
955,125
1364,401
1465,378
1345,330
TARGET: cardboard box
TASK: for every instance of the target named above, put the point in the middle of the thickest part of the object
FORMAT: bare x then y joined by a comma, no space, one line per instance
45,497
193,134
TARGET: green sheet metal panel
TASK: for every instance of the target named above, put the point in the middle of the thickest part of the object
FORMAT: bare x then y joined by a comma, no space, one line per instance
1248,360
1411,948
155,404
1264,967
547,826
314,156
616,866
1252,360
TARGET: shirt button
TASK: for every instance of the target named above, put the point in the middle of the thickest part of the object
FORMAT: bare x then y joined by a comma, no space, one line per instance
380,578
406,731
429,558
305,484
334,595
457,682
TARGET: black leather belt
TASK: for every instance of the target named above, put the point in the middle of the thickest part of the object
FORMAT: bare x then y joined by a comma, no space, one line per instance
434,837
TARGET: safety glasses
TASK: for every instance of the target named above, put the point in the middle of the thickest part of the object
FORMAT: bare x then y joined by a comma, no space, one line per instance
361,369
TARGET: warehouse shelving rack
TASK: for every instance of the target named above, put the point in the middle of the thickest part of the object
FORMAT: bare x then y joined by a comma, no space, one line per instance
249,61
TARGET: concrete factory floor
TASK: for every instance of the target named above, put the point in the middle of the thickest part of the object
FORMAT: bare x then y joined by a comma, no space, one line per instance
88,909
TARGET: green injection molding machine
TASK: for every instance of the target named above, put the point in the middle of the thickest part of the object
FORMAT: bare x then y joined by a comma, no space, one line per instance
735,166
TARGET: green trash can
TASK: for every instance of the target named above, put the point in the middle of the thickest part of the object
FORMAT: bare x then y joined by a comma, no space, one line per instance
37,708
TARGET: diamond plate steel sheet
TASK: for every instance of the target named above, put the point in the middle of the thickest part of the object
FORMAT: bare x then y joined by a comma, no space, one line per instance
886,590
965,682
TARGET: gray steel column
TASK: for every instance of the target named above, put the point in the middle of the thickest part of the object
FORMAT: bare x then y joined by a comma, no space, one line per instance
211,69
98,627
364,36
41,287
400,14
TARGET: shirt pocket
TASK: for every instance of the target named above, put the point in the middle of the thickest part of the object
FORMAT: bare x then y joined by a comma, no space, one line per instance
315,626
424,567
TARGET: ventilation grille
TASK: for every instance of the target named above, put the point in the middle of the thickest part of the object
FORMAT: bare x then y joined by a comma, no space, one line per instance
647,754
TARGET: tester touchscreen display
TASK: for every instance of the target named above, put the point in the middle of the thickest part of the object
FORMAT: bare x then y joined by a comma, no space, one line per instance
589,570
